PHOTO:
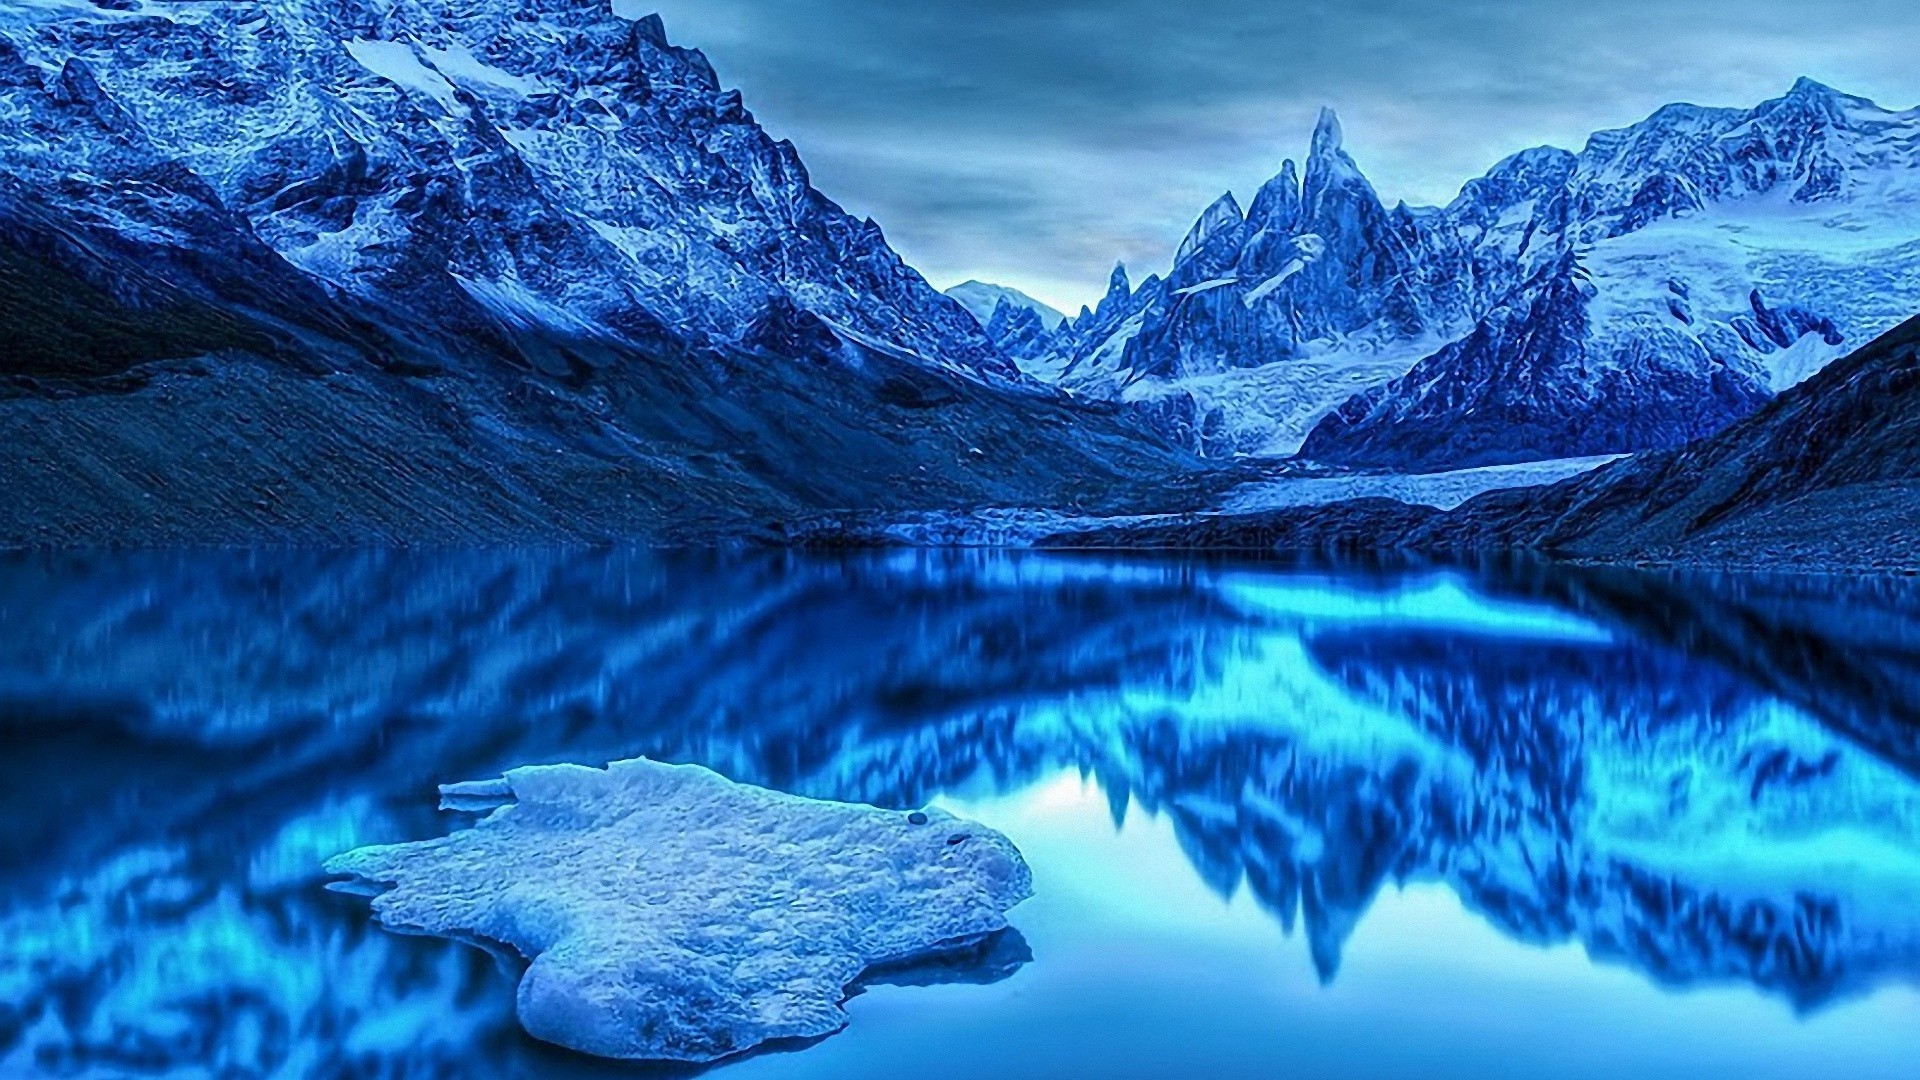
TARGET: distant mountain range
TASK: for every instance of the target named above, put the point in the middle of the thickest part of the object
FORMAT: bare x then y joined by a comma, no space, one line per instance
1020,325
1664,281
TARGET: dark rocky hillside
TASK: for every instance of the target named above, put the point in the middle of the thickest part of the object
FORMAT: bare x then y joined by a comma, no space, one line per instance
1827,474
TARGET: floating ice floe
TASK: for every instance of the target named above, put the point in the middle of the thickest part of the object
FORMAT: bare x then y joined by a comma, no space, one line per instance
671,914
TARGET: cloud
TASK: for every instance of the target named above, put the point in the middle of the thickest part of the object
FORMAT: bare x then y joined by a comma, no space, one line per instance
1035,142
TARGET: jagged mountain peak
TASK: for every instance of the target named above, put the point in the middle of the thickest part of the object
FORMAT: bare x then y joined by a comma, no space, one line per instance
1019,329
1333,178
1809,111
652,29
1327,135
1783,194
1277,205
1806,88
1119,292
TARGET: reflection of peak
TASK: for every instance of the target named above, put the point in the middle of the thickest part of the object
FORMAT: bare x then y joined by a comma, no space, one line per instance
1498,758
1841,649
1118,798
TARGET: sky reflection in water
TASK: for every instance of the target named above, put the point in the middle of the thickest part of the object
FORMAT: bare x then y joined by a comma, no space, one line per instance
1474,823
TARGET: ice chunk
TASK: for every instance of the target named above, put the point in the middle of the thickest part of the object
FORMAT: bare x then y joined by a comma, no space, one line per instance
671,914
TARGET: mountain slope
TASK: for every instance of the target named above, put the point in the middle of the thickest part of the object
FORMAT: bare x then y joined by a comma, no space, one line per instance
1532,382
360,270
1828,474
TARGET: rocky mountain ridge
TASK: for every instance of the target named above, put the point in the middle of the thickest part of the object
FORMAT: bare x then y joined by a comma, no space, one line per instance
1726,254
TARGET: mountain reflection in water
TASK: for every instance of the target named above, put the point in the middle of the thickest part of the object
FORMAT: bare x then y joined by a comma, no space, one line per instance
1708,783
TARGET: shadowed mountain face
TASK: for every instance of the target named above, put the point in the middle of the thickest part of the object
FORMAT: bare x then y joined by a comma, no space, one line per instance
350,270
1500,394
1637,765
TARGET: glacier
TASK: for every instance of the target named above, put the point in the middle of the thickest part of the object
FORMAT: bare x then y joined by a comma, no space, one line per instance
1722,255
671,914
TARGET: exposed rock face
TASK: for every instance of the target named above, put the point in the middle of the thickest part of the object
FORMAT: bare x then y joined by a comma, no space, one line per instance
1729,252
541,162
431,269
1828,473
1018,330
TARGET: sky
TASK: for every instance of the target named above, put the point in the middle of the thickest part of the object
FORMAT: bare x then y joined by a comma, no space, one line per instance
1034,143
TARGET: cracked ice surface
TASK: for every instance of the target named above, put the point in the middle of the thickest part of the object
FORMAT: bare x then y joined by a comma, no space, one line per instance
672,914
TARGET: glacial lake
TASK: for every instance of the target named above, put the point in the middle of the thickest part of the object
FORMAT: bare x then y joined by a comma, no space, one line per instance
1284,820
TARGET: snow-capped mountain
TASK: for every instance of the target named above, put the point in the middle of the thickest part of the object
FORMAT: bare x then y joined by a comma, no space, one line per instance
543,163
1725,255
981,298
1535,381
528,264
1019,325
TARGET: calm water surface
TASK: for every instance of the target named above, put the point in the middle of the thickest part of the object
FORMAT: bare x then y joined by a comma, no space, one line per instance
1366,822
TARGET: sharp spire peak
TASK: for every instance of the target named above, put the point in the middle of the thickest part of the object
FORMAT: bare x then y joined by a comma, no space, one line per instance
651,28
1326,131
